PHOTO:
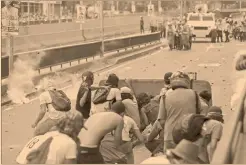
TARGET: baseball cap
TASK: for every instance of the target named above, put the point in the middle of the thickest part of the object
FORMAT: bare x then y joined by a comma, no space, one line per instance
125,90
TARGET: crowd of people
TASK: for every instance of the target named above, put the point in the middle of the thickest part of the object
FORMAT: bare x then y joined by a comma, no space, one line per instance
177,126
231,29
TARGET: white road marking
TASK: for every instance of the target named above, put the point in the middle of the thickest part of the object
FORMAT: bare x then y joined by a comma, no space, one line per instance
214,46
101,73
240,44
209,65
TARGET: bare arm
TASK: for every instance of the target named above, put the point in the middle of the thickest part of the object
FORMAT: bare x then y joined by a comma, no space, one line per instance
83,99
41,114
118,134
216,136
157,127
138,134
144,116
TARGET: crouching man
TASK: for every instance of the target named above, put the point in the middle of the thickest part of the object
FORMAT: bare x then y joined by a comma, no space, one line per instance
98,125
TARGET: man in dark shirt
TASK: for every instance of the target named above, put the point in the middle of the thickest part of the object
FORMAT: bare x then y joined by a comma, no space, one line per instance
141,25
83,102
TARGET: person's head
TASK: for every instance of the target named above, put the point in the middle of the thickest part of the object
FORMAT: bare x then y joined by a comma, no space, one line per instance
141,17
70,125
167,77
8,3
215,113
113,80
47,84
126,93
142,99
88,78
185,152
206,95
119,108
179,80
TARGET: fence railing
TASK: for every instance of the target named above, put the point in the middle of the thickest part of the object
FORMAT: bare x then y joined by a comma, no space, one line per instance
228,151
62,54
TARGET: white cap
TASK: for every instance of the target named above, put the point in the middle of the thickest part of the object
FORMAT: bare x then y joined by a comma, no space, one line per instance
125,90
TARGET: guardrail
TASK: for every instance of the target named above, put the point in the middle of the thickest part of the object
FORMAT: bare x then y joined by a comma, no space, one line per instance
48,40
228,151
69,53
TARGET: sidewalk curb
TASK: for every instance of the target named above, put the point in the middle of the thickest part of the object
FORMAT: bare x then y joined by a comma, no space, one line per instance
75,69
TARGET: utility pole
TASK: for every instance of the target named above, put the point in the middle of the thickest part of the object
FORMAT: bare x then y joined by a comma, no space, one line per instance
10,52
181,8
102,28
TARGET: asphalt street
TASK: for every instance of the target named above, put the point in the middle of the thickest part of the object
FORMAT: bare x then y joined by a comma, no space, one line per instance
212,63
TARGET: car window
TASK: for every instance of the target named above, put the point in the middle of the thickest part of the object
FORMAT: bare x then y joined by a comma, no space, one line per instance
194,18
207,18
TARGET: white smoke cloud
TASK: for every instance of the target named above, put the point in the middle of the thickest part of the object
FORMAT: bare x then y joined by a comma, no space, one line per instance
20,81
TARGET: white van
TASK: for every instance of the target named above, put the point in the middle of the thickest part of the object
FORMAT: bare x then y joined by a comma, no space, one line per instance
201,23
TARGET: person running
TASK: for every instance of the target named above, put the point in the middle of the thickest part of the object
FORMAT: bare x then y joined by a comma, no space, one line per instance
131,105
83,102
113,95
46,108
98,125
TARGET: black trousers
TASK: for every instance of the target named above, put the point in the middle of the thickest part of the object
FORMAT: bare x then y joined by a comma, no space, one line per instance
90,156
219,36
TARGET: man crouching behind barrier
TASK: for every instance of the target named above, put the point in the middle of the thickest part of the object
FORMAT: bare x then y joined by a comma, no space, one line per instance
180,101
98,125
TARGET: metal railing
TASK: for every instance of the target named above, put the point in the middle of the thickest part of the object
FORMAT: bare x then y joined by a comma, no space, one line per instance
48,40
64,54
228,151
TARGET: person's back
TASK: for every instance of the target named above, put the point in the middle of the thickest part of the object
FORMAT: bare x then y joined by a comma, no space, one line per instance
113,95
179,102
132,110
97,126
151,109
61,148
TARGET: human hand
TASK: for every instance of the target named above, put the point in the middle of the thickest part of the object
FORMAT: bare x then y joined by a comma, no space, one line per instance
34,125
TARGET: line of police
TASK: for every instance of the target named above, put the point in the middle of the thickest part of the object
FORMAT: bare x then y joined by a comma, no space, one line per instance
231,28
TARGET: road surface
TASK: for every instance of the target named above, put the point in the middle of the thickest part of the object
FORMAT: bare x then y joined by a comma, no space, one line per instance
211,62
50,35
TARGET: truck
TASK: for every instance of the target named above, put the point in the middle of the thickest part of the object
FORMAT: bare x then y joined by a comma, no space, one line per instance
201,22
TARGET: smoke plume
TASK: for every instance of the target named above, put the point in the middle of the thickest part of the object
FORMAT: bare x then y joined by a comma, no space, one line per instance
20,81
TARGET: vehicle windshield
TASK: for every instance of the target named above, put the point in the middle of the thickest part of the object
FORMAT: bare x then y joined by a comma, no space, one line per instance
207,18
194,18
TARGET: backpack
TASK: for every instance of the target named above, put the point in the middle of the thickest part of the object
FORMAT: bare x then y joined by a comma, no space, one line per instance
35,151
60,101
101,95
189,128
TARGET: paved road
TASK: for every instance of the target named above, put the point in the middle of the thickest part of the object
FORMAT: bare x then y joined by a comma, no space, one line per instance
16,122
50,35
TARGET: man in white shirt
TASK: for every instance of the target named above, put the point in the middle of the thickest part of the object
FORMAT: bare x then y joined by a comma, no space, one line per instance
59,146
130,127
113,95
63,148
46,108
131,105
